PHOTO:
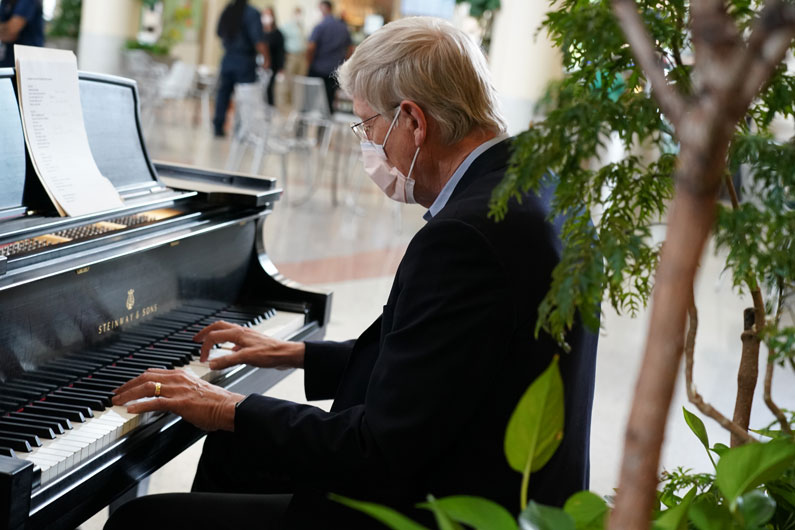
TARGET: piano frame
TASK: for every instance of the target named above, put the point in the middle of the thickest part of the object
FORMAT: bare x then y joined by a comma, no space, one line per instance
228,215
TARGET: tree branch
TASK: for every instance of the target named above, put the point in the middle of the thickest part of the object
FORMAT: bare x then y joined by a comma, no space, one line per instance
782,419
692,395
670,100
770,38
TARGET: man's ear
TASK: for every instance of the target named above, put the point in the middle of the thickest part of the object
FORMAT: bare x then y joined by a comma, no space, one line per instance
416,120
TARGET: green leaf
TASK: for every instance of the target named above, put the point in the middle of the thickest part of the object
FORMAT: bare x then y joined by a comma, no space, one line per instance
535,429
442,518
719,449
697,426
587,509
783,493
743,468
539,517
756,508
706,515
384,514
477,512
675,518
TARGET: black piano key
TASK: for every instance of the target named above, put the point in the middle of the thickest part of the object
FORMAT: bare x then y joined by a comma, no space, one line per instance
143,364
58,379
7,451
103,396
115,377
185,355
122,371
102,358
9,403
119,348
175,360
188,347
18,393
63,370
42,388
17,426
92,355
32,439
16,444
63,422
90,384
47,409
67,399
103,380
84,365
85,411
53,425
144,333
131,339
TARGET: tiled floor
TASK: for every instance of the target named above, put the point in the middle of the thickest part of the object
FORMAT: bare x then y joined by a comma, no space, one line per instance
353,249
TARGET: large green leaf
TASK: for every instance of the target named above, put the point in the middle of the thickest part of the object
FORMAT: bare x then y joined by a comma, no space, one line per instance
535,429
386,515
743,468
539,517
706,515
587,509
756,508
477,512
675,518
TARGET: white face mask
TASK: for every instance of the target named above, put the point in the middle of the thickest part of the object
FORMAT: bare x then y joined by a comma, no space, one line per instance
395,184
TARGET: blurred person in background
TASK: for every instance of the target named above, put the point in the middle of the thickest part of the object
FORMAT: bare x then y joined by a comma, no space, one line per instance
275,41
240,29
21,22
329,45
295,48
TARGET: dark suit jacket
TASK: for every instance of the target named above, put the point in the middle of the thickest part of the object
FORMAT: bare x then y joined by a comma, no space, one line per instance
422,398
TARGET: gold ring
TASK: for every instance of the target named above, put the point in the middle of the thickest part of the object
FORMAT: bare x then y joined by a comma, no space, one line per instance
157,389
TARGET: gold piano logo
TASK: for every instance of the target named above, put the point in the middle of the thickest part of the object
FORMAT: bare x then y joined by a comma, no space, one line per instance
132,316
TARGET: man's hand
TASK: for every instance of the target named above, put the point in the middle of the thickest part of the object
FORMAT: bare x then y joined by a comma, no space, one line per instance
251,347
9,31
207,406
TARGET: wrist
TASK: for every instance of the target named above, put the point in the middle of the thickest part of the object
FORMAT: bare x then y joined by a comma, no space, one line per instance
297,353
230,411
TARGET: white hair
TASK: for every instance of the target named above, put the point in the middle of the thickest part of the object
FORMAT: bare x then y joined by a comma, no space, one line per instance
428,61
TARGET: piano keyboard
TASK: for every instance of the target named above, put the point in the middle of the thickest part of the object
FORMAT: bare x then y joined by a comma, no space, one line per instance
61,414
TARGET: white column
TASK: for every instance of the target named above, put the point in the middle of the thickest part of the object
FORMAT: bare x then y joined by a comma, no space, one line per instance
104,27
521,63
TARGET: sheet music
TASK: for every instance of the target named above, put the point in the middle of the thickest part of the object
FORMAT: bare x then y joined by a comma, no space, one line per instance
52,119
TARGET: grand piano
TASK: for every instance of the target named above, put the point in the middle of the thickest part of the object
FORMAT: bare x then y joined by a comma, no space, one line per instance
89,302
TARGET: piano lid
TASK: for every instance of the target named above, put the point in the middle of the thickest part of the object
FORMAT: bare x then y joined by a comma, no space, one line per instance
112,119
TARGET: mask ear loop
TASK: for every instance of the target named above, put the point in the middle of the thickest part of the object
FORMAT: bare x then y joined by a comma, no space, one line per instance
411,168
391,125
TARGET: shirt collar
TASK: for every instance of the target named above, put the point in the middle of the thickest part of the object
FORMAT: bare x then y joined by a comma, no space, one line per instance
449,187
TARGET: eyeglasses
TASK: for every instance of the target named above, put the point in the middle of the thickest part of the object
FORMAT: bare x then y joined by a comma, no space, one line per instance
362,129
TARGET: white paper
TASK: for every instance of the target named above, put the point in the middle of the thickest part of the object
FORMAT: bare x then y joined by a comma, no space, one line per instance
52,119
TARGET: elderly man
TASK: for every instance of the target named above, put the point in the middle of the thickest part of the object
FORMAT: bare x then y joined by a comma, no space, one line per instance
423,396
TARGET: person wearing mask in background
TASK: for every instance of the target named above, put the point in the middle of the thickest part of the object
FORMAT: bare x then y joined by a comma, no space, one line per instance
329,45
275,41
21,22
295,46
240,29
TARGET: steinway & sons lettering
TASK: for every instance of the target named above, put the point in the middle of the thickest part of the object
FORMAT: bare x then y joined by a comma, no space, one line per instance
132,316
